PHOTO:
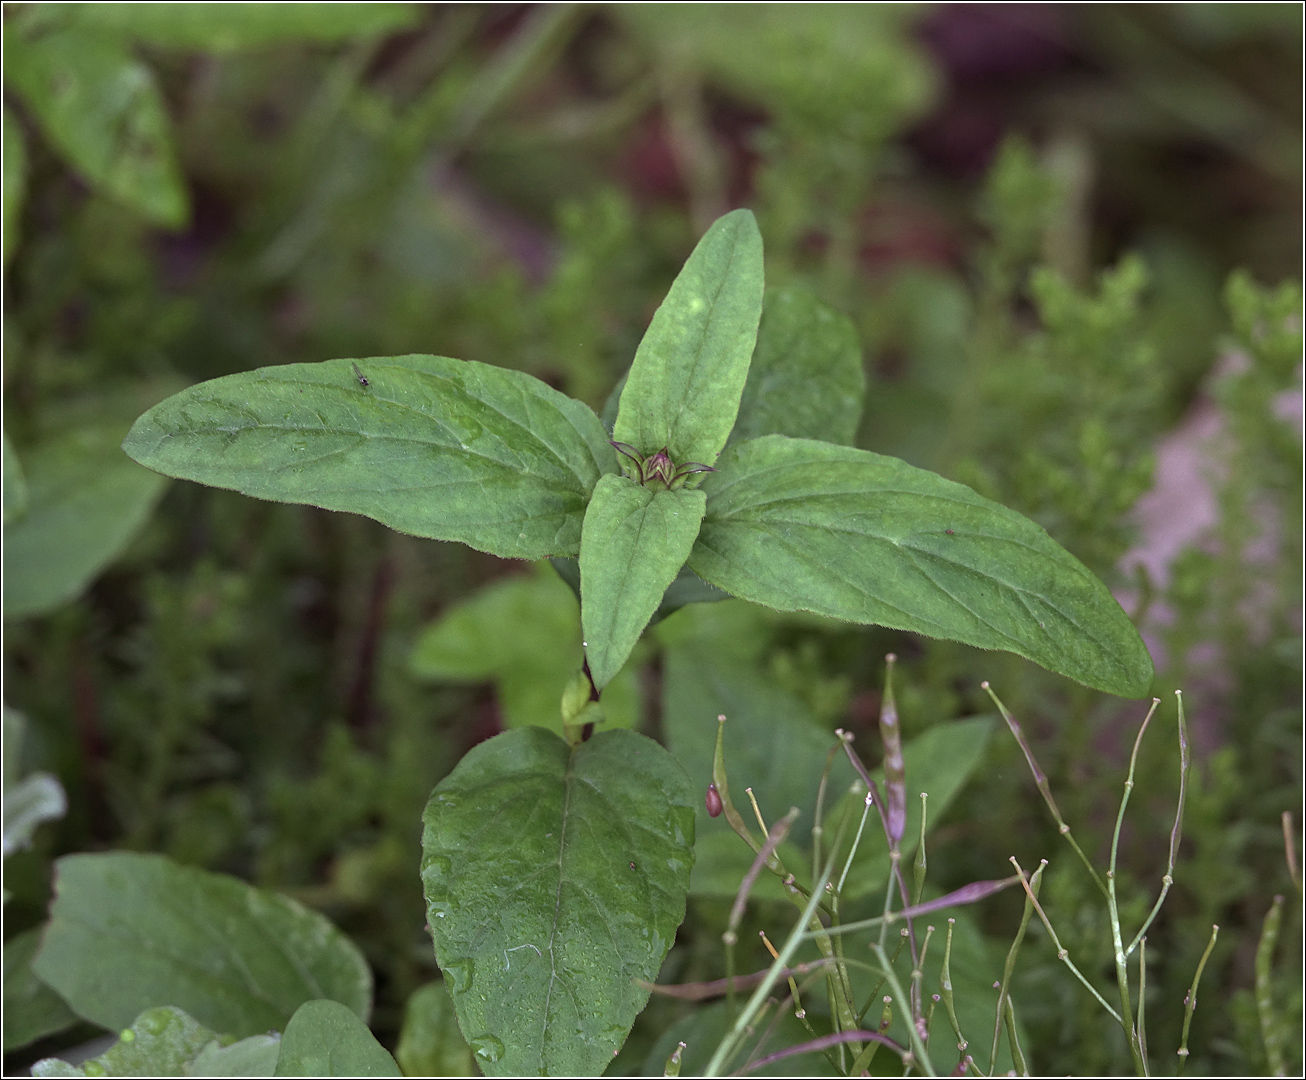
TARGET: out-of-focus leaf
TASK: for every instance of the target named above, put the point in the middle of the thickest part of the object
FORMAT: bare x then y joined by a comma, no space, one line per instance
324,1038
86,501
227,27
555,877
31,1009
101,109
806,379
15,190
634,542
15,483
524,635
682,392
447,449
27,804
254,1056
160,1042
430,1043
129,931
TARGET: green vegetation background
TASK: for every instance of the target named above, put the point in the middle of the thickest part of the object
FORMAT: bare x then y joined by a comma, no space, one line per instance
1030,213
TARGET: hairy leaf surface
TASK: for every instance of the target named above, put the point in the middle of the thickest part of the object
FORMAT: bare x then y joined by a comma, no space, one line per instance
434,447
633,545
554,877
803,525
683,389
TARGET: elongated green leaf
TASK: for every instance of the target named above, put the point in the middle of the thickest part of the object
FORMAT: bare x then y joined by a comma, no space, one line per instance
634,543
85,503
430,1043
15,182
31,1009
15,483
803,525
554,877
160,1042
689,370
129,931
324,1038
448,449
806,379
101,109
524,635
226,27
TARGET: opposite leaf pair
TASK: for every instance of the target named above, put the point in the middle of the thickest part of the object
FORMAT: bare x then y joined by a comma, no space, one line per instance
496,459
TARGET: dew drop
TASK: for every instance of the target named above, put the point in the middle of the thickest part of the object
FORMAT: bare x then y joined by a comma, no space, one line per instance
460,973
127,1035
487,1048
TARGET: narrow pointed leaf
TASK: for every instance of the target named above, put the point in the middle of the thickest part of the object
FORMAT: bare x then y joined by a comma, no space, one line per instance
441,448
806,379
683,389
802,525
634,543
554,878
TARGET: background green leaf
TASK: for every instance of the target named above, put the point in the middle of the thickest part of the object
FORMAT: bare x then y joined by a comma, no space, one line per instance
806,378
252,1056
633,545
553,878
15,483
430,1043
31,1009
15,181
101,109
85,503
447,449
522,633
683,389
129,932
799,524
160,1042
324,1038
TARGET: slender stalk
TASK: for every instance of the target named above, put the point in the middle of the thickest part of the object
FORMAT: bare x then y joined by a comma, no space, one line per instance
920,864
1176,832
1142,1003
1017,1055
820,1044
917,1043
818,824
1271,1027
1041,781
967,894
1290,851
1113,907
1190,1000
1009,967
757,812
1062,954
945,992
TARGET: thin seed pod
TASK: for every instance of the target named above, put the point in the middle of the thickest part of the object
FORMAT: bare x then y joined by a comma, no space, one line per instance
1010,966
1190,1001
895,773
1017,1056
918,867
1290,851
672,1067
723,787
945,992
1271,1024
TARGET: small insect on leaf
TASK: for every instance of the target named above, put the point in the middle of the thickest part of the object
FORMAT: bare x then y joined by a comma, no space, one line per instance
362,379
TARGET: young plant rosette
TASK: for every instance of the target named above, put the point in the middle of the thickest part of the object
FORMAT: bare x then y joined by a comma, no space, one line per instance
556,870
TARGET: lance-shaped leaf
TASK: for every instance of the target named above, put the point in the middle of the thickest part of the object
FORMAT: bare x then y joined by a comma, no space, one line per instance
554,878
635,541
803,525
683,389
806,379
447,449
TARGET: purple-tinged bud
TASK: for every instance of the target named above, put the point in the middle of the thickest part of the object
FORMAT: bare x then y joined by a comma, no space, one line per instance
660,467
713,800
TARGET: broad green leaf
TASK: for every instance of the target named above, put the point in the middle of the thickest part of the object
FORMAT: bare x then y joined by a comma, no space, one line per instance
554,878
15,190
128,932
15,483
227,27
683,389
802,525
31,1009
324,1038
101,110
430,1043
633,545
160,1042
447,449
523,633
687,588
806,379
85,503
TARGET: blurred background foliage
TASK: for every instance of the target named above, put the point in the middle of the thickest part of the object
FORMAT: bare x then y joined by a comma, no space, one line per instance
1066,235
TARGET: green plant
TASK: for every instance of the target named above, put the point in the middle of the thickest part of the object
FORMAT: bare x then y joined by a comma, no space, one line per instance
536,924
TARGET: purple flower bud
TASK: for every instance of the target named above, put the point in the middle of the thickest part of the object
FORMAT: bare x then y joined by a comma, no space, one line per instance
713,800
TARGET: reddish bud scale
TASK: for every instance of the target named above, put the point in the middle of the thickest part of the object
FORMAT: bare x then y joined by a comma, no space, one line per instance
713,801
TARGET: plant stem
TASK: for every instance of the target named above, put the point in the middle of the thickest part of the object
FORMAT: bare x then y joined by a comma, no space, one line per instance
1035,883
1190,1001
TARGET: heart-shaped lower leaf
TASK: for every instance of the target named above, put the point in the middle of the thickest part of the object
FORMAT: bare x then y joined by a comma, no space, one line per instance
555,877
447,449
802,525
633,545
129,932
